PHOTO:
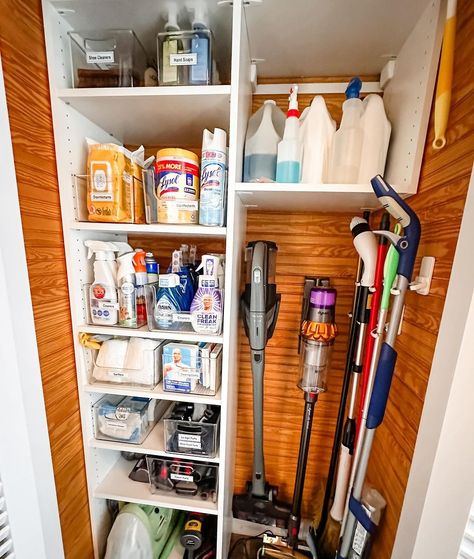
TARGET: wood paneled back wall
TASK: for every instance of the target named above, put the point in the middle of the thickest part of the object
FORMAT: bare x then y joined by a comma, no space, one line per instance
26,83
321,244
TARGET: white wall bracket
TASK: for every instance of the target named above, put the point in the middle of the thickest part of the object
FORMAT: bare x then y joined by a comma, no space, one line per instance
422,282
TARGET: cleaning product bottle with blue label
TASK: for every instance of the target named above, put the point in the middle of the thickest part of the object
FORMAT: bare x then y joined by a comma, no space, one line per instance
213,178
169,302
347,145
290,148
186,280
103,291
201,68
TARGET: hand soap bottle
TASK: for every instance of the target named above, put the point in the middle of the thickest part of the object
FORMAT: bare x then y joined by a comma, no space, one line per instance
201,52
169,48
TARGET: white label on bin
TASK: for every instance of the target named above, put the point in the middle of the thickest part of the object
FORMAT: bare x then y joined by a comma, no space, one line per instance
181,477
181,317
104,197
189,441
100,57
115,424
105,306
184,59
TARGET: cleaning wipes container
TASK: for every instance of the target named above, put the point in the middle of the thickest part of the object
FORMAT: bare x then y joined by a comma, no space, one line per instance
317,133
264,133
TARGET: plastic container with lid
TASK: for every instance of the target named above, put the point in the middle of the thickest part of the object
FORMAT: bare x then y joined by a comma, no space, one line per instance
177,186
107,58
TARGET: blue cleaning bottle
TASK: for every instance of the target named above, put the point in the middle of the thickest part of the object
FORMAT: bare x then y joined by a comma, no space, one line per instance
186,279
170,301
201,69
290,148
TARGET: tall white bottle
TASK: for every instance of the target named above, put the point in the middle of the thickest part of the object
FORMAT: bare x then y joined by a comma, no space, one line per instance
290,148
264,132
347,146
213,178
103,301
317,134
376,131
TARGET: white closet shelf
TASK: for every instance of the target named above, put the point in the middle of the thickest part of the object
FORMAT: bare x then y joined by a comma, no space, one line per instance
148,229
307,197
153,444
153,115
119,487
158,393
143,332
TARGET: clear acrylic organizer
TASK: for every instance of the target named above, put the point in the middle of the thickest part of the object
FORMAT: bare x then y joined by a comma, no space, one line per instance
191,437
183,477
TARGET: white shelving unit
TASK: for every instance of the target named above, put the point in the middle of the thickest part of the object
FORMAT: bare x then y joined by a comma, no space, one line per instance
177,116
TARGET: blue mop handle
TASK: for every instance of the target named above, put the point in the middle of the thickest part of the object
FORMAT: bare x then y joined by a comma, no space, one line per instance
381,388
407,245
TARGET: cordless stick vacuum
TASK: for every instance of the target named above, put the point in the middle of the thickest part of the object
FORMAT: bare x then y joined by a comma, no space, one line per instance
317,334
260,304
407,246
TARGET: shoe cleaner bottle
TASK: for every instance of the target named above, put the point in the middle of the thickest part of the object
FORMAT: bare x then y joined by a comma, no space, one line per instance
213,178
290,149
347,145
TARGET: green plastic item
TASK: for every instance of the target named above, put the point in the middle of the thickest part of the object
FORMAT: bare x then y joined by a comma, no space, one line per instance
174,538
390,271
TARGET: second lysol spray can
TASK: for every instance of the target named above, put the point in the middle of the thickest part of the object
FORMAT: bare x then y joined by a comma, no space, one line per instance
213,178
152,268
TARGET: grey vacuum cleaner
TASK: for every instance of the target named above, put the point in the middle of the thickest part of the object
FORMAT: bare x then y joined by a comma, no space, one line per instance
260,304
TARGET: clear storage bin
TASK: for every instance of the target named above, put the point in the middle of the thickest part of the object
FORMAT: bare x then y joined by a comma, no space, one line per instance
185,57
129,207
183,477
191,368
192,437
131,361
107,58
113,311
126,419
159,318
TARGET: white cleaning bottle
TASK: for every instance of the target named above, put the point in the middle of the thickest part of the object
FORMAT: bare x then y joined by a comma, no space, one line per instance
103,291
264,132
317,133
347,145
290,148
126,283
213,178
376,130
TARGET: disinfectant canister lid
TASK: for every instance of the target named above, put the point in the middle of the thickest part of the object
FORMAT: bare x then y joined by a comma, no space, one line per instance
177,152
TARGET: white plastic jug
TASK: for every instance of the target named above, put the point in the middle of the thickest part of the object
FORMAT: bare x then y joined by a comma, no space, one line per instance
376,130
347,146
264,132
317,133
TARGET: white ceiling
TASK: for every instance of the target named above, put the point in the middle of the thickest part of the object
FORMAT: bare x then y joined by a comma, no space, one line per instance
328,37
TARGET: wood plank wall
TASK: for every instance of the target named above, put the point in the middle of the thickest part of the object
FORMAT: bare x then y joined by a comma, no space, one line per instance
26,82
320,243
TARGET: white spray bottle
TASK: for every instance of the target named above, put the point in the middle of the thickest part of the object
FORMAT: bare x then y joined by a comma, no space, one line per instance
317,133
213,178
126,283
103,291
290,149
347,144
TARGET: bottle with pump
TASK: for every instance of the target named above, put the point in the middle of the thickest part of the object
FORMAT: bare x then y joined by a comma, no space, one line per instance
201,69
317,133
347,145
141,279
213,178
264,132
170,73
103,291
290,149
126,283
376,130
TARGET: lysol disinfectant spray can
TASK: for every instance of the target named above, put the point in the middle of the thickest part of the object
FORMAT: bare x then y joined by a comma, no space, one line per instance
213,178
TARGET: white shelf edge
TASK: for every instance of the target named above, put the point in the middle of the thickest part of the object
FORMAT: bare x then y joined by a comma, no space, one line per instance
147,228
117,486
249,187
158,393
153,445
155,91
143,332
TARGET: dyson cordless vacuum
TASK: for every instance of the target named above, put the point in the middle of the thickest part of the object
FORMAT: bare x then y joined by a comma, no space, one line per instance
406,246
260,304
317,334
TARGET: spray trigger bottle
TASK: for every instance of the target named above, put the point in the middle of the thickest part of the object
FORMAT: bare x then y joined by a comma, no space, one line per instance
290,149
141,279
126,282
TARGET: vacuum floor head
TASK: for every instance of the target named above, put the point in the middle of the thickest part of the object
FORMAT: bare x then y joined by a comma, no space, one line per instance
262,510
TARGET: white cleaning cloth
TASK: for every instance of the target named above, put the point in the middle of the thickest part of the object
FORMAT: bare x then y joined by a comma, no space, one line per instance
112,353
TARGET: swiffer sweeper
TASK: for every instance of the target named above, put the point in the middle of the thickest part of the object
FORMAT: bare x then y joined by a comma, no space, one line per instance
260,304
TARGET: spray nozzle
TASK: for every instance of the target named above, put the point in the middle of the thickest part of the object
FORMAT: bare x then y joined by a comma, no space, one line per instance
293,102
172,23
102,250
199,8
353,89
